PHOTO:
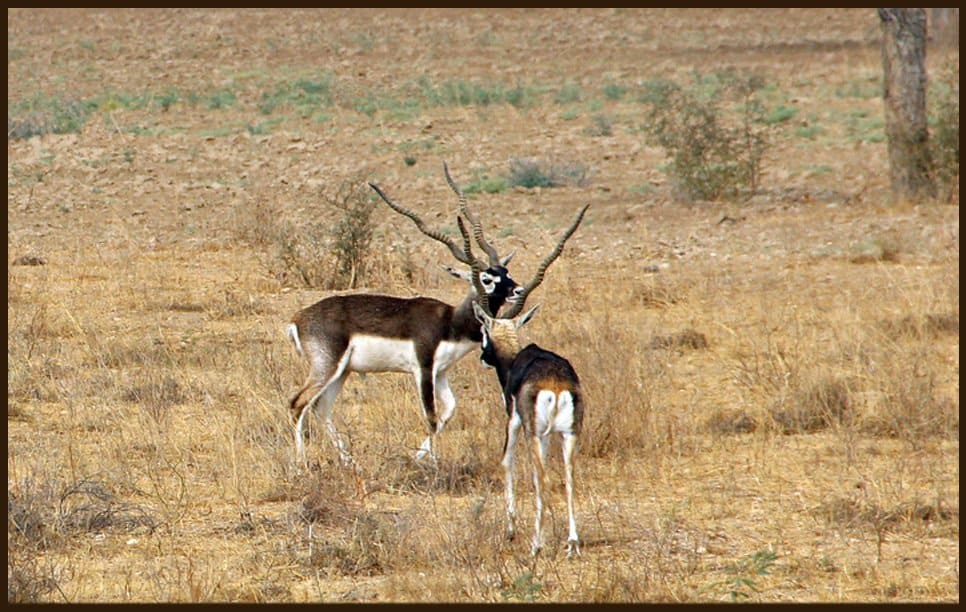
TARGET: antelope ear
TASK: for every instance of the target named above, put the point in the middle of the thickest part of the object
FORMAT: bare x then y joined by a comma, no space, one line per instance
526,316
464,275
506,260
481,315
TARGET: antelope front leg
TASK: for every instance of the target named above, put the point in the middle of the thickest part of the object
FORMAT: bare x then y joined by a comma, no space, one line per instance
446,399
427,393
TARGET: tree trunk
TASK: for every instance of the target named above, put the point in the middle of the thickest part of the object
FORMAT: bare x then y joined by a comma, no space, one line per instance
904,67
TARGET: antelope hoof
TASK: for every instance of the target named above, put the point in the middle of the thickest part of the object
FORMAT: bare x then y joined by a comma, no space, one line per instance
573,548
423,455
535,548
426,449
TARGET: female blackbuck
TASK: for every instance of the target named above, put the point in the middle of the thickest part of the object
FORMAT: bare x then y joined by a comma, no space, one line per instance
541,391
379,333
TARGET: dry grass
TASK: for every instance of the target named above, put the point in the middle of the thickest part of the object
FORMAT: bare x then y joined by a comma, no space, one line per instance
773,403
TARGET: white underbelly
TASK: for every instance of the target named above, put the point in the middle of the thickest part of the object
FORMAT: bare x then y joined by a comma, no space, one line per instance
374,354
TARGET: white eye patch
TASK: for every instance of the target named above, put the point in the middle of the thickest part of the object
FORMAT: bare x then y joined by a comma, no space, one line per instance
488,281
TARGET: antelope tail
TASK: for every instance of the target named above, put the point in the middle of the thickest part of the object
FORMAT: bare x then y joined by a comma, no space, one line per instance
553,402
293,334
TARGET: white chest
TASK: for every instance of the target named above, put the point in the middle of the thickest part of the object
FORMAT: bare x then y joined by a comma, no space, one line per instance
448,353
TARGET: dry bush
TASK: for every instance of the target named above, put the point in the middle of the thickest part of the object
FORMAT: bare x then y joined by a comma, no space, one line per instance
356,541
369,544
724,422
232,304
814,406
352,540
917,327
857,512
687,339
29,578
899,363
228,303
37,353
618,387
157,395
118,354
456,475
909,404
45,516
330,246
331,498
897,384
40,379
532,172
884,247
658,292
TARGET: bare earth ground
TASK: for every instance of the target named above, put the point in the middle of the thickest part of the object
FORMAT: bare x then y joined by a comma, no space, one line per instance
149,449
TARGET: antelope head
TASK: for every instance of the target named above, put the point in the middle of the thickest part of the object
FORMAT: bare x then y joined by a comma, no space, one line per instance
489,277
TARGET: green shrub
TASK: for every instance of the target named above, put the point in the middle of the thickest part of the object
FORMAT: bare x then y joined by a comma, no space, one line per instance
222,98
532,172
614,91
780,114
568,94
602,125
715,150
487,184
352,235
47,115
329,248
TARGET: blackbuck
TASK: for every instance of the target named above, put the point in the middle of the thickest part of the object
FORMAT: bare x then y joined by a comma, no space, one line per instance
542,394
423,336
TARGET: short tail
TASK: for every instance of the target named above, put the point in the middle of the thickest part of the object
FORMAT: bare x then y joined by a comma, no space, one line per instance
549,399
293,334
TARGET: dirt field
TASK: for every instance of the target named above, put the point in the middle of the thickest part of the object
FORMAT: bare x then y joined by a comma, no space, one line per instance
772,381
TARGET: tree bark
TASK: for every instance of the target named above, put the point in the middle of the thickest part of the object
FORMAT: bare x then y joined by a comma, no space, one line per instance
904,67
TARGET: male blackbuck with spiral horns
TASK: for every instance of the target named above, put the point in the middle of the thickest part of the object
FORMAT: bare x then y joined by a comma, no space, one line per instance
379,333
542,394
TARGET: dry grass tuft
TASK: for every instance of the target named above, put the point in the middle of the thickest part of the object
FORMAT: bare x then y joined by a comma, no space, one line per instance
820,405
855,512
331,498
29,260
658,292
157,396
725,422
917,327
687,339
370,543
886,247
457,477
